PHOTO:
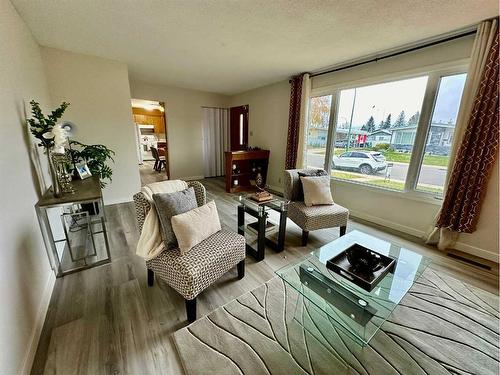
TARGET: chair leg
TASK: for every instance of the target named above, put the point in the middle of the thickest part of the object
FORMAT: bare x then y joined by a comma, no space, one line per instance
241,269
342,230
191,309
305,236
151,277
156,165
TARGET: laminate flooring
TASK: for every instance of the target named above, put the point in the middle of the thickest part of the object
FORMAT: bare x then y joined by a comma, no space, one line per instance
106,320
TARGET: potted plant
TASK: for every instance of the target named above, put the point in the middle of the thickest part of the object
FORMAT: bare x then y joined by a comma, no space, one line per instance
45,129
96,157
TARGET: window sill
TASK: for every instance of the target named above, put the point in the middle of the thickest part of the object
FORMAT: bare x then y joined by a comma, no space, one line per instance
412,195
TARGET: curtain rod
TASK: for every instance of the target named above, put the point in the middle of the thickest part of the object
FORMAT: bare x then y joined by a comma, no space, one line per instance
393,54
204,106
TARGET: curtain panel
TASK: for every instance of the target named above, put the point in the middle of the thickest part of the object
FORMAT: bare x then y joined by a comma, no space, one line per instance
300,87
215,140
292,141
485,36
476,155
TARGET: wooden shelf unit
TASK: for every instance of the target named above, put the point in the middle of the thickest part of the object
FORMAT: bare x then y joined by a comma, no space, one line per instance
248,164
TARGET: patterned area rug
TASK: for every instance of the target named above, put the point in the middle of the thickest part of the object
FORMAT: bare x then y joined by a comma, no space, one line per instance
442,326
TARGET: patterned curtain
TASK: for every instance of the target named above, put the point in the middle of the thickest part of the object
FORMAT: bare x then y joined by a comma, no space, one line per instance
292,143
475,156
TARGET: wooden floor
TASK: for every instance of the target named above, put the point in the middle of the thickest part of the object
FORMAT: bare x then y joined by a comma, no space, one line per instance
107,321
149,175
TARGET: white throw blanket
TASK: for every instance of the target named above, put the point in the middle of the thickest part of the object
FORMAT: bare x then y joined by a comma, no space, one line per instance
150,242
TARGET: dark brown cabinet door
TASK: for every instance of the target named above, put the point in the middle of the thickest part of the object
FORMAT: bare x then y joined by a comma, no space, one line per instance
238,127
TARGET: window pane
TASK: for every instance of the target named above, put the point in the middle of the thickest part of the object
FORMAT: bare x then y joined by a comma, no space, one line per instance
440,136
317,131
377,124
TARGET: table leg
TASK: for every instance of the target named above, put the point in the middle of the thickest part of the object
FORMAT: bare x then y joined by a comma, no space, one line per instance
46,224
261,237
106,241
282,231
241,219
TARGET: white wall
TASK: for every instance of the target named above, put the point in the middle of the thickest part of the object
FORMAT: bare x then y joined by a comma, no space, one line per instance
184,127
99,93
486,235
26,279
269,123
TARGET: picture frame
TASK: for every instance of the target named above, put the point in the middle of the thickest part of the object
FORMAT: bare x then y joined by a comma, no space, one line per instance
83,171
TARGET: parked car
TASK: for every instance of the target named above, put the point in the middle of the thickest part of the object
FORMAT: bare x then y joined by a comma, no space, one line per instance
366,162
340,143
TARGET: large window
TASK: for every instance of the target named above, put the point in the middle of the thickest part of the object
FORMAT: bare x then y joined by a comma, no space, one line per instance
317,132
439,138
394,135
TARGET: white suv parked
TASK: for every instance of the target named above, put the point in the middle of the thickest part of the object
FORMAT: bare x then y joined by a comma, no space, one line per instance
366,162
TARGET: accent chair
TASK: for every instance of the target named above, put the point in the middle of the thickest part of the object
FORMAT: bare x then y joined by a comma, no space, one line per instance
193,272
314,217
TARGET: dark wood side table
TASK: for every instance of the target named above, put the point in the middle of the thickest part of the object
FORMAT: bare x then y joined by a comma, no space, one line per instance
74,228
260,211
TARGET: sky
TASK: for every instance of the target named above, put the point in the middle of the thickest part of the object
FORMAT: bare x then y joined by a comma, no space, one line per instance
393,97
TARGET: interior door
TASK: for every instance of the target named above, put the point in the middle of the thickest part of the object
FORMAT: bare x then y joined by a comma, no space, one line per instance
238,128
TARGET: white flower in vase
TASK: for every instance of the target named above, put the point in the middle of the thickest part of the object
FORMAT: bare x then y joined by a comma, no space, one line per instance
60,139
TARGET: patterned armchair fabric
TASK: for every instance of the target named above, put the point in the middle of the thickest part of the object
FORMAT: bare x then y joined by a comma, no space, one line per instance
196,270
193,272
315,217
142,205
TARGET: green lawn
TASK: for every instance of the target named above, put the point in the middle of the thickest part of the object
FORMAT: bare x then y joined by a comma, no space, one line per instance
397,185
345,175
437,160
393,185
400,157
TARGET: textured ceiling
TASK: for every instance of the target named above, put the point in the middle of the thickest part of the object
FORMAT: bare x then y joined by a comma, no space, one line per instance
231,46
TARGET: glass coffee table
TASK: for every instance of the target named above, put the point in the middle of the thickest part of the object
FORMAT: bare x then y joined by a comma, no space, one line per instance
351,308
260,211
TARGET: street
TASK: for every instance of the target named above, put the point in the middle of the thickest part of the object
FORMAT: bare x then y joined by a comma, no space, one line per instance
430,175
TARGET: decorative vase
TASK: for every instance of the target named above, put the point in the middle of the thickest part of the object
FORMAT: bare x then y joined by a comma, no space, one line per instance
56,188
259,181
61,162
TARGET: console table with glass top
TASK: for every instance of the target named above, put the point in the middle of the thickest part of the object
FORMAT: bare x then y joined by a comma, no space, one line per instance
355,311
260,211
73,227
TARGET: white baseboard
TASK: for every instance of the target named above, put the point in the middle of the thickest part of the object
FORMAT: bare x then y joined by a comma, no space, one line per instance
109,202
469,249
476,251
386,223
37,329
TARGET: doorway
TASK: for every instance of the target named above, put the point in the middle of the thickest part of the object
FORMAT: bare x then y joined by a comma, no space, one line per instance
151,139
239,128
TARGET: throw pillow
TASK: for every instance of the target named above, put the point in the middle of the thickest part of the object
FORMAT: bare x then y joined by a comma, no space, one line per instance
171,204
308,173
194,226
316,190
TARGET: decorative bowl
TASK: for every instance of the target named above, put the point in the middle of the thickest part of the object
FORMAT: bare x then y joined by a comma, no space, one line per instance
363,259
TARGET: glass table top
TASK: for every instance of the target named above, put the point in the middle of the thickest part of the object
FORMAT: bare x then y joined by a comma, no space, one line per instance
354,310
277,203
